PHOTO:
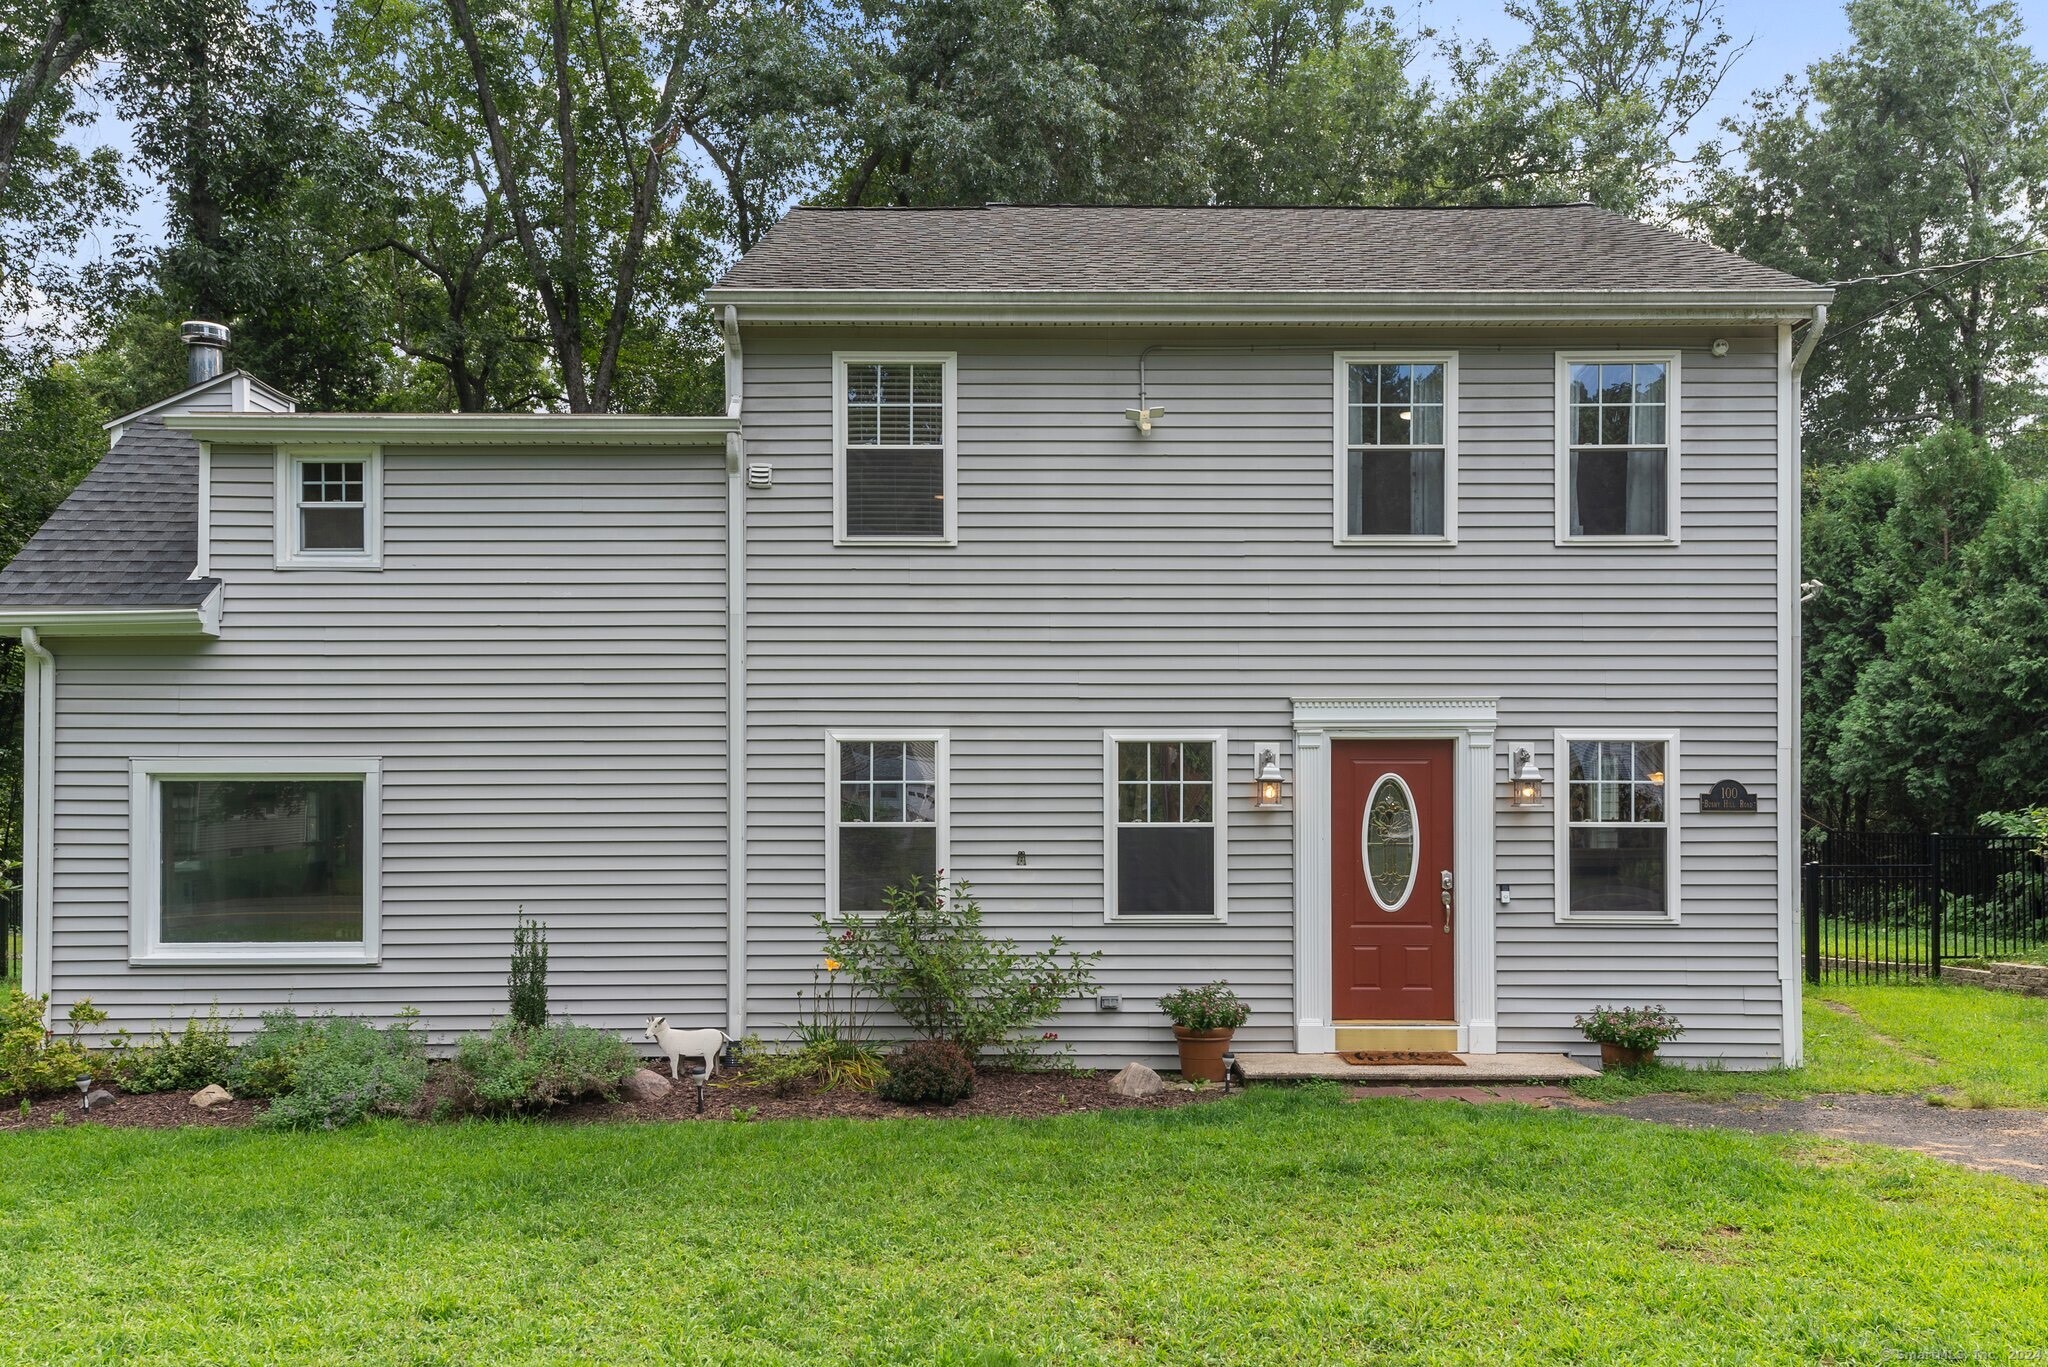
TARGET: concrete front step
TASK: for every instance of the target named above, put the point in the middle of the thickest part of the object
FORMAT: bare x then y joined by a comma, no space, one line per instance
1478,1069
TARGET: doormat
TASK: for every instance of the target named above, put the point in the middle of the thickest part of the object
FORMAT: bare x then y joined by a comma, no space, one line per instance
1395,1058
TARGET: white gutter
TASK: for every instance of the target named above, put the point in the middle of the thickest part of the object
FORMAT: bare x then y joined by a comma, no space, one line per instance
38,800
203,620
735,688
1790,674
611,431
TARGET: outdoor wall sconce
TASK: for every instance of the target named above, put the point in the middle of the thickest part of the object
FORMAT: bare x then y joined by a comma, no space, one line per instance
1525,780
1271,787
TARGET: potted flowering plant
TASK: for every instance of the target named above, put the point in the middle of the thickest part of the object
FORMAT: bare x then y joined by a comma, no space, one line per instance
1628,1036
1204,1019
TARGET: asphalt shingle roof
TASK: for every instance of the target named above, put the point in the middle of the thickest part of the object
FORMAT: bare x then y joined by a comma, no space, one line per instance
1110,248
127,537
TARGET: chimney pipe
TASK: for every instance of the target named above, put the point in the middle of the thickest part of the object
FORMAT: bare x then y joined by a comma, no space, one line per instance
203,345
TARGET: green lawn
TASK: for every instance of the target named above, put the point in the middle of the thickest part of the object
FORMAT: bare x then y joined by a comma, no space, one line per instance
1960,1044
1288,1226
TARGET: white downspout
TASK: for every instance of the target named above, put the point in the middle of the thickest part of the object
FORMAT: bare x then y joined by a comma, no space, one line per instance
38,800
735,692
1791,744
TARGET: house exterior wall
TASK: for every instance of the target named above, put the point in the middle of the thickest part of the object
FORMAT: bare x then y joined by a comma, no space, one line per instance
1186,579
540,669
540,664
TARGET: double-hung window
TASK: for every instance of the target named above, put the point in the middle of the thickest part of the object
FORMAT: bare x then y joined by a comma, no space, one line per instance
263,862
893,466
1618,449
1165,828
1396,449
329,509
888,802
1618,827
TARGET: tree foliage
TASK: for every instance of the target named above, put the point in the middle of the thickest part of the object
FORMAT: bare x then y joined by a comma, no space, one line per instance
1925,143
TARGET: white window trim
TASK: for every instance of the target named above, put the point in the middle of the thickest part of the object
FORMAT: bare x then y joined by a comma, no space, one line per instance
145,818
1221,778
948,361
1673,465
290,554
941,743
1340,433
1562,892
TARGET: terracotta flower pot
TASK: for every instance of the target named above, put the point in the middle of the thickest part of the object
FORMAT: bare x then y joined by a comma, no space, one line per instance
1616,1056
1201,1053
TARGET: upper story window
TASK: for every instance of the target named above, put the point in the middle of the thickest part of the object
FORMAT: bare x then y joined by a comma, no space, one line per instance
1165,834
893,467
890,796
1618,449
1618,828
330,507
1397,449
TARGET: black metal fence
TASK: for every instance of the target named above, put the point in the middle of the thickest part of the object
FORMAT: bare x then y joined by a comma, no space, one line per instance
1883,906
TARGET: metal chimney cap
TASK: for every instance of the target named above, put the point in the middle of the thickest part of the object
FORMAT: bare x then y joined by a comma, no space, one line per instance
203,333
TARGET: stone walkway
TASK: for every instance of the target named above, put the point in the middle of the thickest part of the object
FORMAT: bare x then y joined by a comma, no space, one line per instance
2011,1142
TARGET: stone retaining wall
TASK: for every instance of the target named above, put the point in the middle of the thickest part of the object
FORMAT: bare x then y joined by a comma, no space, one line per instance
2027,979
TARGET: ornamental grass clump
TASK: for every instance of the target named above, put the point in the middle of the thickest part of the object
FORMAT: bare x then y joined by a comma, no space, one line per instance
1636,1029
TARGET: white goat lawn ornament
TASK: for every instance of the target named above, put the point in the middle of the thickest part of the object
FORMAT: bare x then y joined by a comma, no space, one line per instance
682,1044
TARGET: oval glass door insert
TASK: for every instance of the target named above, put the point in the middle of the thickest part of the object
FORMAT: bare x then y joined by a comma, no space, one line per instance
1389,843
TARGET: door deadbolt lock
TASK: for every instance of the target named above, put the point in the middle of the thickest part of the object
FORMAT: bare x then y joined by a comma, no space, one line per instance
1447,901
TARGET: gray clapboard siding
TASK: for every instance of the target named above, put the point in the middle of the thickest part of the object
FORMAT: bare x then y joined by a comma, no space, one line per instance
540,666
1185,579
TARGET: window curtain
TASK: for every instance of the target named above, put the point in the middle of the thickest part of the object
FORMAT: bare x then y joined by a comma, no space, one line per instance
1645,493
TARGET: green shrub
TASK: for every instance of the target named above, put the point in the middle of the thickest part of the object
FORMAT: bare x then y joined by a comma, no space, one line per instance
927,1072
527,983
204,1054
1214,1007
329,1071
929,960
32,1061
517,1068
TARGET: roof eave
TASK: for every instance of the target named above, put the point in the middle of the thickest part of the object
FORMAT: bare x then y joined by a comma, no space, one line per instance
200,620
1299,307
458,429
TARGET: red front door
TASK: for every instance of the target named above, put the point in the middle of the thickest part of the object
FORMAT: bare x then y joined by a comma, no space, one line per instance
1390,934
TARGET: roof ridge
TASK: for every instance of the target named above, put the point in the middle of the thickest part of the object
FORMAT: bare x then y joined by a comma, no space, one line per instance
1221,208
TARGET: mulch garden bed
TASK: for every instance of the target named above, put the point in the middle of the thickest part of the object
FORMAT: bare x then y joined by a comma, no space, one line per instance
729,1098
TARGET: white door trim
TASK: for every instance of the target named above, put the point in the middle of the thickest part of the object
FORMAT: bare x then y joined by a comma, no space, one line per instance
1468,723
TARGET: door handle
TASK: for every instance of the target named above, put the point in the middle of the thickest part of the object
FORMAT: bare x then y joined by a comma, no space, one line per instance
1447,901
